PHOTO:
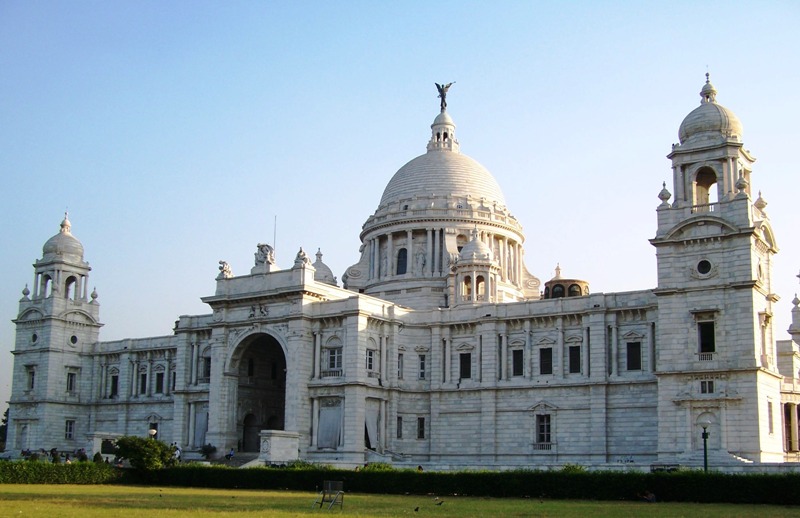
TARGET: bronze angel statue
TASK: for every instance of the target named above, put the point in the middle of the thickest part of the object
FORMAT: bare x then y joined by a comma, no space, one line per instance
443,93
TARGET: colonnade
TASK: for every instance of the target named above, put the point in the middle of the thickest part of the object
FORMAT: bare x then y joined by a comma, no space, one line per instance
433,258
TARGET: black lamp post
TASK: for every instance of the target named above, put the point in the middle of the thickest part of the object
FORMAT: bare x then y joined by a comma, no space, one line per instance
705,424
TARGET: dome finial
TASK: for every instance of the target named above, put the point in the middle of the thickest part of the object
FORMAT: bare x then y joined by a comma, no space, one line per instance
708,94
443,88
66,226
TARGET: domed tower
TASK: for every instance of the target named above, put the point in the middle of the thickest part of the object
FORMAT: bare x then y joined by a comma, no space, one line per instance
559,287
58,321
425,217
475,274
715,248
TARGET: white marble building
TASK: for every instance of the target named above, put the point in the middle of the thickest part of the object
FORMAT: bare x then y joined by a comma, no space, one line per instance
440,348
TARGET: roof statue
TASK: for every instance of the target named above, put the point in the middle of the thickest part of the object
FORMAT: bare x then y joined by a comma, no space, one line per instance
443,93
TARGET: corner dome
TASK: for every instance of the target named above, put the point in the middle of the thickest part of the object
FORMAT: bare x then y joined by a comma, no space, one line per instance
709,120
63,243
323,273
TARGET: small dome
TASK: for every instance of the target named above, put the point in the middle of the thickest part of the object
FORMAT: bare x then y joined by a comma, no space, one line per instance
443,118
476,249
323,273
709,120
63,243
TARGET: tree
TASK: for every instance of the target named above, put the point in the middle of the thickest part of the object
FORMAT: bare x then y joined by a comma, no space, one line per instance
4,430
145,454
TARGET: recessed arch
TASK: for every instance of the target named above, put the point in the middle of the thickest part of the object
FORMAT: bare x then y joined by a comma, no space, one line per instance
259,360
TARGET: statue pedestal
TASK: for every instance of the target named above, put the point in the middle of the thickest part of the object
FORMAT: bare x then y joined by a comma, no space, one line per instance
279,447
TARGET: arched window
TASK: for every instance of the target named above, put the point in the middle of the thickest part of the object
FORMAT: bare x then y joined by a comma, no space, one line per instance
558,291
402,261
480,287
574,291
467,287
704,181
70,289
547,292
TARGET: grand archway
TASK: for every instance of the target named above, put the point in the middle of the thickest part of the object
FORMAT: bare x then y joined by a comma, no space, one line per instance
261,390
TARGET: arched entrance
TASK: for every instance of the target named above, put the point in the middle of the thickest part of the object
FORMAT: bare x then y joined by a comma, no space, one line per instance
261,389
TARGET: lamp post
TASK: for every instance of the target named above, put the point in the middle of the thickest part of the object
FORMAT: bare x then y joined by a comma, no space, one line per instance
704,424
152,433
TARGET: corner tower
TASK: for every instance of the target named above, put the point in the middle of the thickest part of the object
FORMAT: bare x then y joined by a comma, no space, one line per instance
58,322
428,212
716,360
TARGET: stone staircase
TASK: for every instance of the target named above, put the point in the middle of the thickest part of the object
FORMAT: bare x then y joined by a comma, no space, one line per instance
239,460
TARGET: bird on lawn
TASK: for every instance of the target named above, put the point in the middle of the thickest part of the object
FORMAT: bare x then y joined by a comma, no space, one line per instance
416,509
440,502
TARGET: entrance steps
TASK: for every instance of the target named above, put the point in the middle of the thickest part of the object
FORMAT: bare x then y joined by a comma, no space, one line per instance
239,460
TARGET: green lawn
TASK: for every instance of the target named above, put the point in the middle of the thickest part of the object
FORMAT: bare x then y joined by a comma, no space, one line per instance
56,501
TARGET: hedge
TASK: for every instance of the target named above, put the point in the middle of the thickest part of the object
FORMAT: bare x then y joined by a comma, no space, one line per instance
682,486
32,472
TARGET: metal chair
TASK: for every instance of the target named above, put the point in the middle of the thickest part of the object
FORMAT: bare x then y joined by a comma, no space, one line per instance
332,494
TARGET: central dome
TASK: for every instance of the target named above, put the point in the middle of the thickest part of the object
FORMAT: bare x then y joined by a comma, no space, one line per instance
442,172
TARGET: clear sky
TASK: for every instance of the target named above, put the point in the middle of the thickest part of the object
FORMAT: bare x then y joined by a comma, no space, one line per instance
175,133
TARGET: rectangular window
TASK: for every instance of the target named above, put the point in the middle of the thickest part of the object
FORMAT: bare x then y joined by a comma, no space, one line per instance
634,356
143,383
705,336
335,358
370,359
420,428
769,418
546,360
543,429
207,368
575,359
465,366
31,379
72,379
517,362
159,382
400,366
707,387
422,366
174,380
399,427
114,391
69,429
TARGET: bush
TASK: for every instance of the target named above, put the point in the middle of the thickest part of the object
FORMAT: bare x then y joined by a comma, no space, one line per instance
97,457
145,454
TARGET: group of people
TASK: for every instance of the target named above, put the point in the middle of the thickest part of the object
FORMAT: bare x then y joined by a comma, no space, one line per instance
177,452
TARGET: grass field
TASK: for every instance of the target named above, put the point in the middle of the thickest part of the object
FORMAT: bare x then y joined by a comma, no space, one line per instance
56,501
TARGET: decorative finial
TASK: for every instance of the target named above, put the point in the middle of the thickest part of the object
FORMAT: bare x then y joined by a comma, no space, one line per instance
443,88
708,76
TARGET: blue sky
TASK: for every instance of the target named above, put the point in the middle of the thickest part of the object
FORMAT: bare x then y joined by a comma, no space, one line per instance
175,133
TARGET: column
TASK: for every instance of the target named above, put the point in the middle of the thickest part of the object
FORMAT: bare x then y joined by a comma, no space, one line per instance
314,421
168,376
503,259
148,392
192,418
651,347
411,262
376,257
389,255
503,356
447,360
585,351
793,446
558,360
430,252
614,350
317,353
527,356
437,253
193,366
518,254
384,429
384,375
